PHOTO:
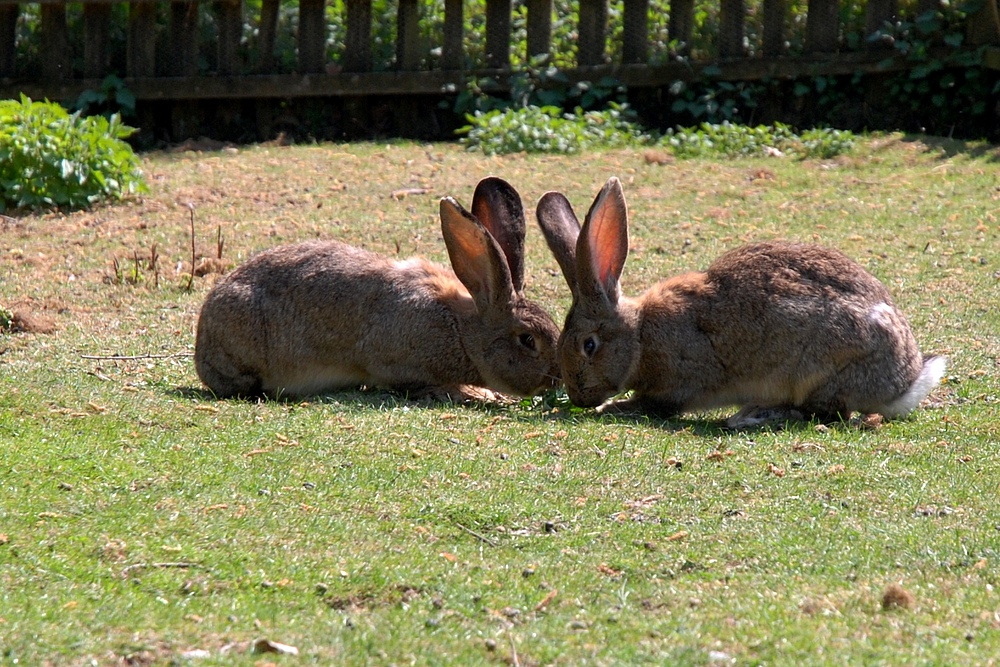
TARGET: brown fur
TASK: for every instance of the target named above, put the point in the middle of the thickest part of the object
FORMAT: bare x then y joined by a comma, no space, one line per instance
322,315
777,324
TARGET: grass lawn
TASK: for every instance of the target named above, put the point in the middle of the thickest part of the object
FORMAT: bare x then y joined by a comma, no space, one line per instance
143,522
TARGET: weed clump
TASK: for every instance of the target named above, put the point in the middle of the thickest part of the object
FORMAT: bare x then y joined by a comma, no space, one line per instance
50,158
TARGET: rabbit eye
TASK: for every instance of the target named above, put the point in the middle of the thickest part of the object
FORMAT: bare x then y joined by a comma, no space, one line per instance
527,340
589,345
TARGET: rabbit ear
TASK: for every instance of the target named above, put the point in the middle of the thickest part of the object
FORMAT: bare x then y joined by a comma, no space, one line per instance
603,244
561,230
475,257
497,206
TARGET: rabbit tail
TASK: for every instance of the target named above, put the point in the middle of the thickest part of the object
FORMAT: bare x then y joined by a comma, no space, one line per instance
930,377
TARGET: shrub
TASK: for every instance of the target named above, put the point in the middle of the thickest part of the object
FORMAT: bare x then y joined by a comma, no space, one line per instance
51,158
533,129
742,140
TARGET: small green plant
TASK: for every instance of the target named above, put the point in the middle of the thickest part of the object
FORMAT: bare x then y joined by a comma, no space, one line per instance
734,140
6,319
50,158
547,129
114,97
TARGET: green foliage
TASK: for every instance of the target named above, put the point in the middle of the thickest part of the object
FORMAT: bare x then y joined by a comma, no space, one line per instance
533,129
731,140
714,101
114,97
6,319
51,158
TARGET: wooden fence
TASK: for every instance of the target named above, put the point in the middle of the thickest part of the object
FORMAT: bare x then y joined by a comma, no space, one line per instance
172,73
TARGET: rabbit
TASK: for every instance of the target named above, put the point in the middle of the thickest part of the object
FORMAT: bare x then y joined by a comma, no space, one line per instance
782,329
319,316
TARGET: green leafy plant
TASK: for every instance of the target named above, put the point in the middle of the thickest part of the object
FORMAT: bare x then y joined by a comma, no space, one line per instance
114,97
734,140
547,129
6,319
51,158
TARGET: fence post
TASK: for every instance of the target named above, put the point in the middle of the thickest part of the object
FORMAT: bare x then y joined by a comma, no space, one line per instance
451,50
266,33
408,50
774,28
8,35
312,36
498,33
983,27
593,32
732,29
54,42
681,26
229,20
183,38
140,51
635,31
358,41
539,27
822,26
96,28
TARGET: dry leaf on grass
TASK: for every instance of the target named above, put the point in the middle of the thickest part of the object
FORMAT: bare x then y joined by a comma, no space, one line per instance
268,646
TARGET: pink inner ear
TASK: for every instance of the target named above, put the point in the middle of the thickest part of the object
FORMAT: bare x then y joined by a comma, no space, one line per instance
608,241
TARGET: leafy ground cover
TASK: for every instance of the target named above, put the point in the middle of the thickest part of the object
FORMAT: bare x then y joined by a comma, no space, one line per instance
143,522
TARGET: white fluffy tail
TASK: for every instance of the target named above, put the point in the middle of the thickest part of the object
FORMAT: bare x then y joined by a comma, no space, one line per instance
930,377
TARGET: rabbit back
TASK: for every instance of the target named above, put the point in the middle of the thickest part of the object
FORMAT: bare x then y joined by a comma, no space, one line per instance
324,315
776,324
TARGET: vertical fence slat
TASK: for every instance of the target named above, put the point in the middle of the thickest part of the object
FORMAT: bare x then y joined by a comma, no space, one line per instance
183,39
822,26
773,40
877,14
732,28
451,50
539,27
924,6
312,36
983,27
266,34
635,31
54,42
357,42
681,26
229,20
8,33
140,50
498,33
408,49
592,30
96,30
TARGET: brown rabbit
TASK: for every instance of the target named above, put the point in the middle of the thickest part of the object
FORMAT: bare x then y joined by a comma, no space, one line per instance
783,326
321,315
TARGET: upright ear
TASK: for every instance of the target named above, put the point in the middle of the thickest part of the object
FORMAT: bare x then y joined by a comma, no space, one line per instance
561,229
476,258
496,205
602,247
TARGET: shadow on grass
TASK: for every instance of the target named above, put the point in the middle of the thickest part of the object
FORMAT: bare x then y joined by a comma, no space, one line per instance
949,148
375,399
528,411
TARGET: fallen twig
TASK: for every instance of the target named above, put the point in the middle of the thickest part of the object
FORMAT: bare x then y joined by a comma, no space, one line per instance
477,535
136,357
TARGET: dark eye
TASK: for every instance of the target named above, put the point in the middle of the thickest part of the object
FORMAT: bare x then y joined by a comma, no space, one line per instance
527,340
590,345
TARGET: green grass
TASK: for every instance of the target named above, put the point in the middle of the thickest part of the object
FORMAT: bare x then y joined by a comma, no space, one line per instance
140,519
